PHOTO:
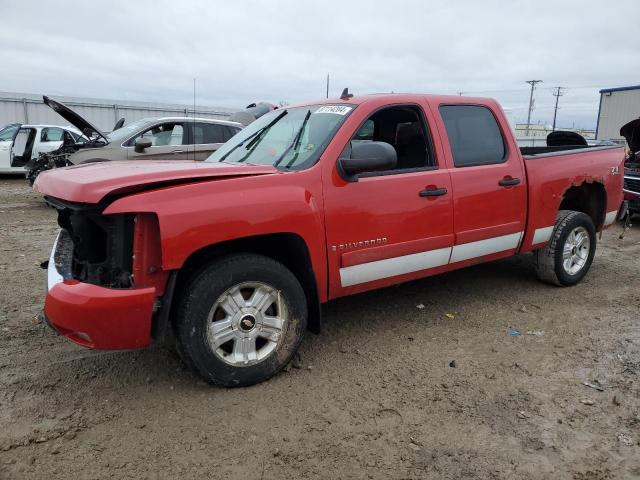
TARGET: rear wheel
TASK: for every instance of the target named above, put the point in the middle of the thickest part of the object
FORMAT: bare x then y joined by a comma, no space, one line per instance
568,256
241,320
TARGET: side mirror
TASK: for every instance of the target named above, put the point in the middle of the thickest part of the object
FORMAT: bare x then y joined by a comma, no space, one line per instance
142,143
367,157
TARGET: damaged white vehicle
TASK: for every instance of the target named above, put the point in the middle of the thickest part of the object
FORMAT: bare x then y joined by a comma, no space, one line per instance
21,143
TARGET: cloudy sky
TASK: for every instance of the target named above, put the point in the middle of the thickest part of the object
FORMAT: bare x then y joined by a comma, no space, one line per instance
281,50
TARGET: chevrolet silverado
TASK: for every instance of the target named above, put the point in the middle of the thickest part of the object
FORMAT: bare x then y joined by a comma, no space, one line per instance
235,255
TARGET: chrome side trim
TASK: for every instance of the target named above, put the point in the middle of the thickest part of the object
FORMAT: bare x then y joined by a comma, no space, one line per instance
610,217
485,247
390,267
542,235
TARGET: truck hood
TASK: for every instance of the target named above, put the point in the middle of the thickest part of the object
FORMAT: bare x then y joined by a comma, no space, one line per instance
74,119
90,183
631,132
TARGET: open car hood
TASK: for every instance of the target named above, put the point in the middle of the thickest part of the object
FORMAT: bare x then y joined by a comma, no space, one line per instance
90,183
561,138
73,118
631,133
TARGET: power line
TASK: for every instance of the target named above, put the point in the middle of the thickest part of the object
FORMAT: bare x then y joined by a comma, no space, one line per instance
516,90
558,93
533,87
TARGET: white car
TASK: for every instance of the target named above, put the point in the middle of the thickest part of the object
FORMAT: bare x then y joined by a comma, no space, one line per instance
21,143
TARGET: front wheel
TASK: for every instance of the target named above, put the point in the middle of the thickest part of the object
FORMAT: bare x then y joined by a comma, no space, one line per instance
568,256
241,319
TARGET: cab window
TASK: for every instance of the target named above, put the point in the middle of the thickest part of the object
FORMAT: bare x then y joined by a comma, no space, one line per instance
404,128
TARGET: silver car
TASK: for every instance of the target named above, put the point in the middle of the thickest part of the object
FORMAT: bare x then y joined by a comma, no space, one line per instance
167,138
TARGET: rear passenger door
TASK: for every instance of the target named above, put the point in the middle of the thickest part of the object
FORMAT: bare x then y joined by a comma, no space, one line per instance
205,138
488,181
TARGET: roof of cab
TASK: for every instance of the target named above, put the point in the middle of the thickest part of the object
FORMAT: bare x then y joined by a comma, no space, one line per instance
397,97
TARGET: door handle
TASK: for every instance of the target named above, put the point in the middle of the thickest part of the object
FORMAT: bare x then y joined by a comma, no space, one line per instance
433,192
178,151
509,182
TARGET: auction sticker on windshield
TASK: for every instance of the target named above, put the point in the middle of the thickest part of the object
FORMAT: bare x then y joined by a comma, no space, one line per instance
336,109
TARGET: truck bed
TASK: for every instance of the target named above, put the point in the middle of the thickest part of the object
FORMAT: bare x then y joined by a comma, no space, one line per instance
547,177
539,152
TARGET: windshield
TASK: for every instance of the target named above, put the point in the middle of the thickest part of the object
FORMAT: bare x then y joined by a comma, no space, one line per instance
8,132
292,138
127,130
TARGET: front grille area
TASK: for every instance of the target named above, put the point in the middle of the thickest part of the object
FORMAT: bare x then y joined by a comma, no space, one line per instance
102,244
632,184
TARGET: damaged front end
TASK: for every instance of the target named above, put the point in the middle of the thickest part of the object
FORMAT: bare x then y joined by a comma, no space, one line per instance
46,161
92,298
102,244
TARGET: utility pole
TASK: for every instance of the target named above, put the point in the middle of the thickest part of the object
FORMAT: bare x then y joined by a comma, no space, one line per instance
558,93
327,85
533,87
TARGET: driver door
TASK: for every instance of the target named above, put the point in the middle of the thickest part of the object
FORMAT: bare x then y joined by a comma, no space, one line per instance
392,226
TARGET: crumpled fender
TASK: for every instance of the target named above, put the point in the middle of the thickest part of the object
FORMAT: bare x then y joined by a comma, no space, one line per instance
197,215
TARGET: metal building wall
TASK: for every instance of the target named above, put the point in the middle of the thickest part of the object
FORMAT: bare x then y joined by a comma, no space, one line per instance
617,107
28,108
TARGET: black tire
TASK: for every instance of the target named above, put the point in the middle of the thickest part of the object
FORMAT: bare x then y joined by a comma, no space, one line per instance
549,261
202,293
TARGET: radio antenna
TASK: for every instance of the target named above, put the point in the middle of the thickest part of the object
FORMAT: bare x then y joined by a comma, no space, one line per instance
193,129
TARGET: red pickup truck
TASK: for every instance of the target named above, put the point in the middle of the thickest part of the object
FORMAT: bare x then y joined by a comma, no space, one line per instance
309,203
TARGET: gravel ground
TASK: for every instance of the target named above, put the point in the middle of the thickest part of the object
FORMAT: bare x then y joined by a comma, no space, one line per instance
422,380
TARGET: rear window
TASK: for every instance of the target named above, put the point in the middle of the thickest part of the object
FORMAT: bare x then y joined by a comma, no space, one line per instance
204,133
474,135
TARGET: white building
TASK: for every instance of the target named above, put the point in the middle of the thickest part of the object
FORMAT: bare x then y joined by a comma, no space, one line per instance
617,107
29,109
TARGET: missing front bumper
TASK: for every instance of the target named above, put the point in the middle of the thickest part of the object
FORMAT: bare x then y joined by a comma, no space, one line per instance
91,315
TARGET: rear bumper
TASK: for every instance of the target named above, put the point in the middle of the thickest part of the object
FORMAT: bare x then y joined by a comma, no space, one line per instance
94,316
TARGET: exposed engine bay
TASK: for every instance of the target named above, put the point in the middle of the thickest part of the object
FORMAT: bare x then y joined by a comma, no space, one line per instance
101,246
631,133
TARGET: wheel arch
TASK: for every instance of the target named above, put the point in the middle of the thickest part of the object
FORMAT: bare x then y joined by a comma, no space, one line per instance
589,198
288,248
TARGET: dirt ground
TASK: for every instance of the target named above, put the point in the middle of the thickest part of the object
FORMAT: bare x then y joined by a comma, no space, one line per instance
394,388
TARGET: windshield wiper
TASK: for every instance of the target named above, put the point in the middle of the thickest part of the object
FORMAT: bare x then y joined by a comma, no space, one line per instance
255,135
296,142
